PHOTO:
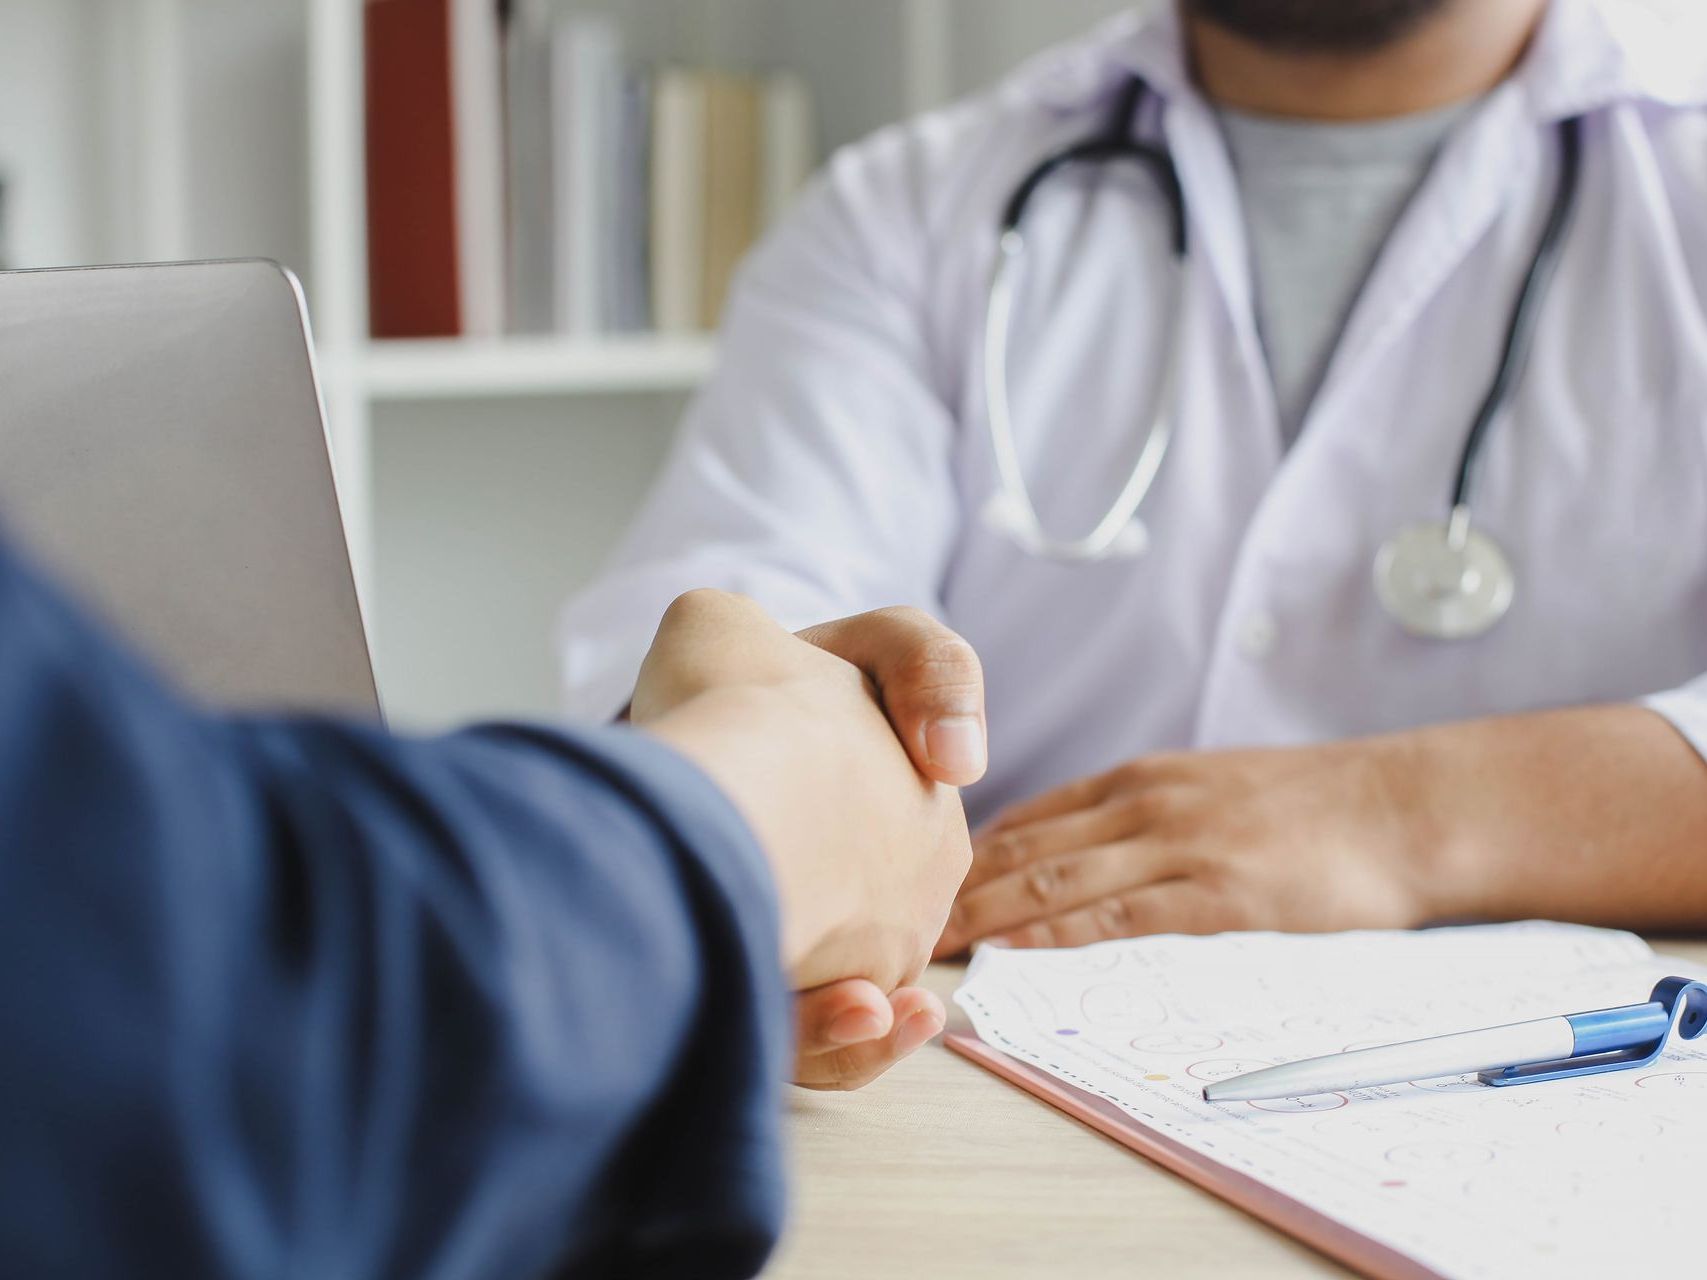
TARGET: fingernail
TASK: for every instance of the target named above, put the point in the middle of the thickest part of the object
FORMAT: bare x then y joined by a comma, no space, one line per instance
917,1030
956,745
856,1026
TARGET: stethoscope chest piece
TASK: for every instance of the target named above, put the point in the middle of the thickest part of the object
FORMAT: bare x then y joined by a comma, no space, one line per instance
1444,581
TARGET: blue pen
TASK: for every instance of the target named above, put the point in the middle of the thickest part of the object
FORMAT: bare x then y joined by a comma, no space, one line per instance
1573,1044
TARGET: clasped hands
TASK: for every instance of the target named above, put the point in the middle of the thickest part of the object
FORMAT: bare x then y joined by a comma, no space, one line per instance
848,744
843,748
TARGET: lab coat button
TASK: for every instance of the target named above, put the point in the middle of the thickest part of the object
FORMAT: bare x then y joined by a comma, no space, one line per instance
1257,636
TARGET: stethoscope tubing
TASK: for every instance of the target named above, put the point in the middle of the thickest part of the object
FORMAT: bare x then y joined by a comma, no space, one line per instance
1016,513
1119,142
1525,312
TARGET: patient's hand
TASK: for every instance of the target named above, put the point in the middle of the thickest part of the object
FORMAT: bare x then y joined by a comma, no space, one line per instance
849,1033
931,689
929,681
866,853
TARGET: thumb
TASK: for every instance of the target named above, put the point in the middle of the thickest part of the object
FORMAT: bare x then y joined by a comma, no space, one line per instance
930,682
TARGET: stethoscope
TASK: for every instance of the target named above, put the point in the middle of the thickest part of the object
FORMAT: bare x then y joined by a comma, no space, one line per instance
1447,581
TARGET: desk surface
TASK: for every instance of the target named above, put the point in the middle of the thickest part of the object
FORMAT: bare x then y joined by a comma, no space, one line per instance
941,1170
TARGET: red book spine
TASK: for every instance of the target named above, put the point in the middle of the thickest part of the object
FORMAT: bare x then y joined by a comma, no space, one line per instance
411,170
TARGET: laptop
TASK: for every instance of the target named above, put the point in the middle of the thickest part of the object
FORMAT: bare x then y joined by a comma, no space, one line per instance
163,453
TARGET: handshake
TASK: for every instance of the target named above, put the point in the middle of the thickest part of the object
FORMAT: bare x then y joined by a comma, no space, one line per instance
843,748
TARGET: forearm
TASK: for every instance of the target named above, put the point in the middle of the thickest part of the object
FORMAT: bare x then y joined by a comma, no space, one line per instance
1596,814
290,996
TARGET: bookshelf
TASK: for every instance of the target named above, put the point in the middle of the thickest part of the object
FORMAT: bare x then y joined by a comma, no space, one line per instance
360,374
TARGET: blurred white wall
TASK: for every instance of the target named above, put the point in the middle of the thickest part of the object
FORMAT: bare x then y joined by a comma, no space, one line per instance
247,145
991,38
52,156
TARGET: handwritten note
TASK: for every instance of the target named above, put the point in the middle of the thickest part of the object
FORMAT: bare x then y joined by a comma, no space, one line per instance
1593,1177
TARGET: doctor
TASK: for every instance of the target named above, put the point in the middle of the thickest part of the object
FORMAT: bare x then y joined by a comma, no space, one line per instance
1315,680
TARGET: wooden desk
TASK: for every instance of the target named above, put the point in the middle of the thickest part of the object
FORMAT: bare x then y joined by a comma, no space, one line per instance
940,1170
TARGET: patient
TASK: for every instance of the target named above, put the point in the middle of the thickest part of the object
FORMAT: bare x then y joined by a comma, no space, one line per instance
295,997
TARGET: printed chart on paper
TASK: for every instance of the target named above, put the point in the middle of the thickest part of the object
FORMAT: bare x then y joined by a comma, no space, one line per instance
1600,1176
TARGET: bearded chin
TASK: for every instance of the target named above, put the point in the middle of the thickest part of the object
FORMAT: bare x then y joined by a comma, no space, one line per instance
1318,26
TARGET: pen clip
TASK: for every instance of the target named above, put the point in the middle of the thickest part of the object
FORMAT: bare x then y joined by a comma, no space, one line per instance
1685,1003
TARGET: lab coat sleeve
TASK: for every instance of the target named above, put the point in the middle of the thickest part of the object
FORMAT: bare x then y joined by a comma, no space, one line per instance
1686,708
813,473
290,998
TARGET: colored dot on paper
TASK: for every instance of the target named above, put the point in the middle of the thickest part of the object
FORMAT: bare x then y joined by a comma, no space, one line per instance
1156,1076
1067,1031
1394,1183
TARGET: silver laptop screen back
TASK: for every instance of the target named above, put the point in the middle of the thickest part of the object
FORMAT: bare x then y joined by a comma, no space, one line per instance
162,450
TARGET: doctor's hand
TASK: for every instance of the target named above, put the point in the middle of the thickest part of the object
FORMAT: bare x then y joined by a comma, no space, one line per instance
1307,839
929,681
866,853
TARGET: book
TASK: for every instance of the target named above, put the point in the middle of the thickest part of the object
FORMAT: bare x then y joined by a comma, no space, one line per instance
477,78
678,165
732,118
636,192
435,177
586,78
628,291
531,185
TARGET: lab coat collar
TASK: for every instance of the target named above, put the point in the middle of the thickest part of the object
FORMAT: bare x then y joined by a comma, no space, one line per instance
1588,54
1591,54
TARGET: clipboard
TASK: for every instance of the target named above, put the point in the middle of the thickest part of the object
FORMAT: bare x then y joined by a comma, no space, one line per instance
1326,1235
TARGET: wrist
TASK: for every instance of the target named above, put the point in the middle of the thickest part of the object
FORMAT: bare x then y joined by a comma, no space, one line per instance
1443,872
756,747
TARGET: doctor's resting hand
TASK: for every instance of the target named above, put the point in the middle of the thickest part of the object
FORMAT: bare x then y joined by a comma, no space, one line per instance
862,900
1594,814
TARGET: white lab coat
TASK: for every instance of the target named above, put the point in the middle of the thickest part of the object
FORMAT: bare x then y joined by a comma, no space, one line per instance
838,459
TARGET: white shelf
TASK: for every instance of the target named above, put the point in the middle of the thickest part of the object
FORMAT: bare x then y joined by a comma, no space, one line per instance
456,368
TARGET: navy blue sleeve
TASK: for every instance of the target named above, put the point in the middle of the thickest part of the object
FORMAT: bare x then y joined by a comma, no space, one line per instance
296,998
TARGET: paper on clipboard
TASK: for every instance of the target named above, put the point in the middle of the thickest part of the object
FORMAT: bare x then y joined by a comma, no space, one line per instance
1446,1178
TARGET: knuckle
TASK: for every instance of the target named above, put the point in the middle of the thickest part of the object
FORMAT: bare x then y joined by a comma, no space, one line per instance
1008,853
1134,773
966,923
701,602
1114,917
698,598
1042,933
941,664
1043,884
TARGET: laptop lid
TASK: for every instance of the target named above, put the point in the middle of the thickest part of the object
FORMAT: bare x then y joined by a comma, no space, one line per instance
163,451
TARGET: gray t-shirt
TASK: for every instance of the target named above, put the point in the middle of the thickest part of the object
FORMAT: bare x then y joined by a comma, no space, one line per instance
1320,199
